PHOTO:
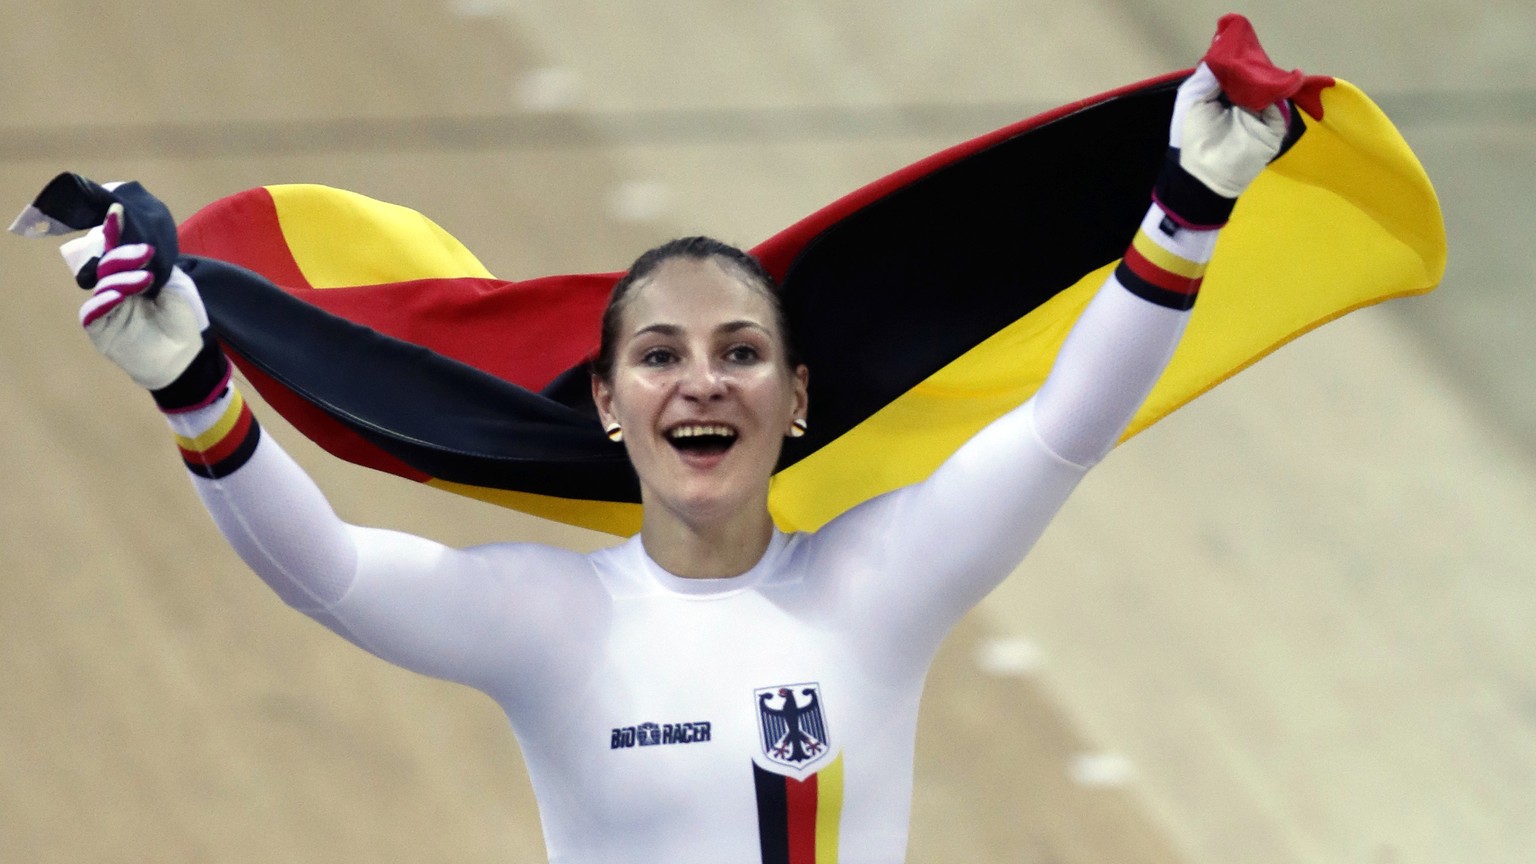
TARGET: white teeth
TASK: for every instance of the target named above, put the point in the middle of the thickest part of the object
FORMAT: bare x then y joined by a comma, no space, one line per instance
701,429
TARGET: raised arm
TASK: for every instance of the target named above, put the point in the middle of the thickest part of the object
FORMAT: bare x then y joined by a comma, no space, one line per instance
466,615
948,541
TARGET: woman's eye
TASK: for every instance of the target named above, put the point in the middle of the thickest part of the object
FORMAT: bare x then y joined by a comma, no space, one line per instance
657,357
742,354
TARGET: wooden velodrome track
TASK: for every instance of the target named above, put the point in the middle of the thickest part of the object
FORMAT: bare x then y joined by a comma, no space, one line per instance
1292,623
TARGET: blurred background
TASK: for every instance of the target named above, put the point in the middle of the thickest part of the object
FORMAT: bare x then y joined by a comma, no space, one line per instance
1291,623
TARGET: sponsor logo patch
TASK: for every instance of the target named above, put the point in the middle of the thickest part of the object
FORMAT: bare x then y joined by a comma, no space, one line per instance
658,734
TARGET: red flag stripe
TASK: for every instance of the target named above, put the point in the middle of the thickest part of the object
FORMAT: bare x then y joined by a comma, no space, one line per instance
244,229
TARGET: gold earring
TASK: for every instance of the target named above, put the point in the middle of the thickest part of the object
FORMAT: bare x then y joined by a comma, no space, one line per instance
797,428
615,434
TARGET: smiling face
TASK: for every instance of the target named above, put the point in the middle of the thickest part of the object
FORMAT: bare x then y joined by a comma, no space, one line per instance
702,388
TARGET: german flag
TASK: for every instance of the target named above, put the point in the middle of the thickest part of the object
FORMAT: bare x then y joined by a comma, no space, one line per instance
927,303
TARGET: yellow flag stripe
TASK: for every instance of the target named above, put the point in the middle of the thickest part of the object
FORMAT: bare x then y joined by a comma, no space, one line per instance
341,239
1346,219
611,517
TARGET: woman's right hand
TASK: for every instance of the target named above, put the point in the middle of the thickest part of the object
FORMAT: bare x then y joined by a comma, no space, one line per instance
157,334
153,335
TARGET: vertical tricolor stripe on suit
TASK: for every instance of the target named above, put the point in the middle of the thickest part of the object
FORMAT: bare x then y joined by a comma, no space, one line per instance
798,819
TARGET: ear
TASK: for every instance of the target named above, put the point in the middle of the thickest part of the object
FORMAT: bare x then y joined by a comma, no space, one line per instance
602,397
802,393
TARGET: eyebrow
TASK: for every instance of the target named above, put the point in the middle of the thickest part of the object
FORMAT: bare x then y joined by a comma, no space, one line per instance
674,330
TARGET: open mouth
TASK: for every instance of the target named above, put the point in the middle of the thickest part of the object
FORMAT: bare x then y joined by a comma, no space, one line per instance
701,438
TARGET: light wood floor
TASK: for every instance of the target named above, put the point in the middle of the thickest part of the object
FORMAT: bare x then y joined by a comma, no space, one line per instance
1293,623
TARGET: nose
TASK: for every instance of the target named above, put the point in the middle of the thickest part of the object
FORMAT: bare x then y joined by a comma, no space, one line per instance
703,382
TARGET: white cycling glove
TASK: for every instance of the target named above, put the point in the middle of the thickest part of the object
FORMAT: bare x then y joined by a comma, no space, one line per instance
159,337
1215,150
